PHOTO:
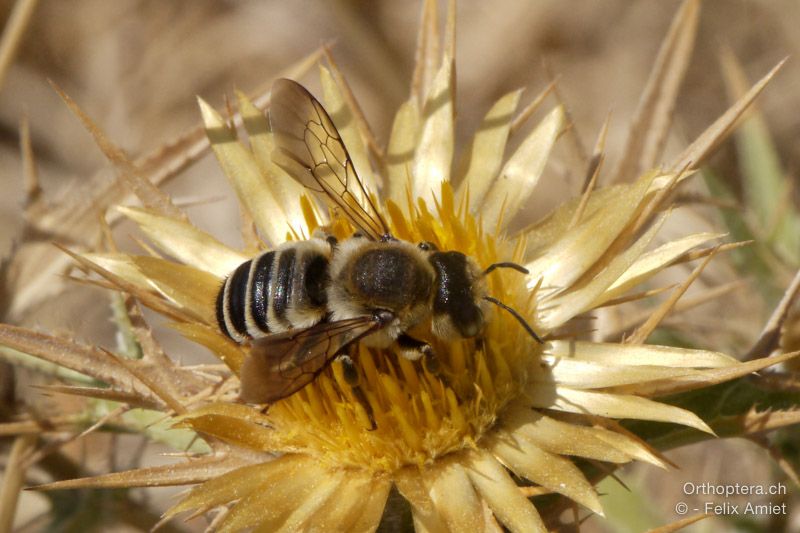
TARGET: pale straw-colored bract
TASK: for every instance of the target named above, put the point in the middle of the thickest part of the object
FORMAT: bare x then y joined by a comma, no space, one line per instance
468,445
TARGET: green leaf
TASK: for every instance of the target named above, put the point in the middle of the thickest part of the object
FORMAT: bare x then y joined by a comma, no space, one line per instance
766,185
755,260
723,407
628,511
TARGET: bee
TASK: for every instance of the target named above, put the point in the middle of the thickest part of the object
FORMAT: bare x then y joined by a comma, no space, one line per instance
305,303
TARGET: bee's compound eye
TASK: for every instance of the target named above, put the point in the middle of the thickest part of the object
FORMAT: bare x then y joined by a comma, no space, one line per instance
427,246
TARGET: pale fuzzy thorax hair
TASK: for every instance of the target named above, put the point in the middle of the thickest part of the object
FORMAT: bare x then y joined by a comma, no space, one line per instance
343,305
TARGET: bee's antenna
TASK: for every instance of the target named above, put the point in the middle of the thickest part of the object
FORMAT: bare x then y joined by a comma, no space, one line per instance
515,314
518,268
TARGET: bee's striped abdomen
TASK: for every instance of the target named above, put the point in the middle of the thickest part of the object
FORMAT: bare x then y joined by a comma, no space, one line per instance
233,297
282,297
276,291
259,289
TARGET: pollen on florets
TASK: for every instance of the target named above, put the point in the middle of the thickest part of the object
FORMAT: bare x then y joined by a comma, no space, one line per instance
407,412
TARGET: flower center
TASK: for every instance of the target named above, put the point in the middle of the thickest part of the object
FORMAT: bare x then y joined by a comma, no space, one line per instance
401,412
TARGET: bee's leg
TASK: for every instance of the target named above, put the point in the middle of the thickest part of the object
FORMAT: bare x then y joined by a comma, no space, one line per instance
349,368
431,363
323,234
351,377
413,349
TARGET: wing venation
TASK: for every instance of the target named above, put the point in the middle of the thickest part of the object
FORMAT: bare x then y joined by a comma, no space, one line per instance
310,149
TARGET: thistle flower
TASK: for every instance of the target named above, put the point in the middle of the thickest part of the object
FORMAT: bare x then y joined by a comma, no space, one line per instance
468,443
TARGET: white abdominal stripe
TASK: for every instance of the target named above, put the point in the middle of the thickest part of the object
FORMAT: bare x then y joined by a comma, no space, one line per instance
278,290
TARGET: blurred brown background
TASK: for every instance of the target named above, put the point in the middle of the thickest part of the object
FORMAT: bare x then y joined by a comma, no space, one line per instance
135,66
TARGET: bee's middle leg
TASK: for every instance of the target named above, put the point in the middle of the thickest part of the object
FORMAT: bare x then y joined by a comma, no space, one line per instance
351,377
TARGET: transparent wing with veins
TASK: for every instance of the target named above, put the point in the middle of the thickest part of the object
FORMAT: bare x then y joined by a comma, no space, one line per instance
281,364
310,149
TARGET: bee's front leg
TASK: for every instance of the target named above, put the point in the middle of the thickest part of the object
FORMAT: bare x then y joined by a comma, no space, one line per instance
413,349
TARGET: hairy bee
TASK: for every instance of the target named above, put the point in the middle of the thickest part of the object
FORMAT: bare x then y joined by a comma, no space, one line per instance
302,304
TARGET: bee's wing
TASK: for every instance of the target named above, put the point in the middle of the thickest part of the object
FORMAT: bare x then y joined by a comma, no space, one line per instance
281,364
310,149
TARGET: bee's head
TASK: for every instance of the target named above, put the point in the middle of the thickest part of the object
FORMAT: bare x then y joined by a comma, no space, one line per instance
460,294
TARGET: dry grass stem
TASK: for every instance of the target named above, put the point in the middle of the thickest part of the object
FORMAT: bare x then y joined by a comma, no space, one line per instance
769,339
12,33
650,125
14,480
